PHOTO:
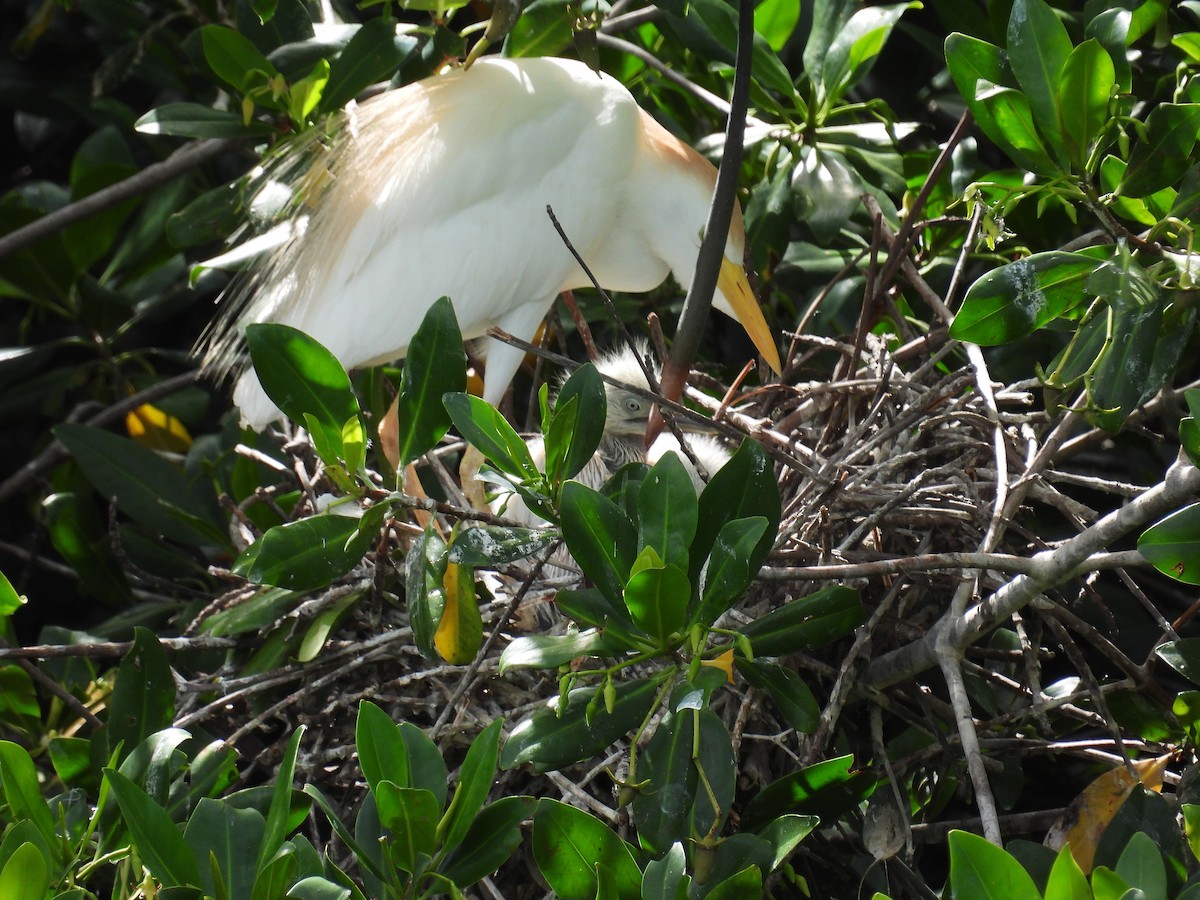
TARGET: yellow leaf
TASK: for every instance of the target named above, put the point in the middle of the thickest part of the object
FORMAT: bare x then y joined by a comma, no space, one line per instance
1083,823
460,632
153,428
724,662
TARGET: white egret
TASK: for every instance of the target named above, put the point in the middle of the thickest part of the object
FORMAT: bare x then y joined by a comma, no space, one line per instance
440,188
626,415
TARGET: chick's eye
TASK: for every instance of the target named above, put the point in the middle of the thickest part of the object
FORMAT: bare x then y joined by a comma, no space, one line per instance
633,405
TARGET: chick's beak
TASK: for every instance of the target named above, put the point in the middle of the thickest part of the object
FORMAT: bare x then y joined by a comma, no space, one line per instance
733,285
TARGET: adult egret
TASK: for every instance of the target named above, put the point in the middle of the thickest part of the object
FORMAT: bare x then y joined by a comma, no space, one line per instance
440,188
626,415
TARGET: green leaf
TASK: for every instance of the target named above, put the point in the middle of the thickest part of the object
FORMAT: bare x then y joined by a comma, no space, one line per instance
373,54
980,869
728,574
740,861
1150,813
785,834
1038,48
474,782
590,607
227,840
307,554
663,809
145,486
544,29
82,539
25,875
159,843
825,790
492,838
491,545
744,883
1088,80
194,120
1183,655
381,750
582,429
233,57
812,621
425,565
435,365
744,487
854,49
143,698
549,651
717,769
411,815
657,599
1067,881
568,844
667,511
425,766
317,887
666,878
304,380
483,426
306,93
1141,865
10,600
1018,298
600,537
550,741
276,825
793,697
776,20
1111,29
1166,154
23,792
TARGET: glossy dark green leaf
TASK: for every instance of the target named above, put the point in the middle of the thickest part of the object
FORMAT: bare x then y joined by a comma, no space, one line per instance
657,599
1121,380
827,190
1166,154
307,554
1038,48
1151,815
304,380
1018,298
590,607
373,54
425,565
742,488
549,651
667,511
159,843
146,487
1111,29
544,29
718,774
666,878
827,20
411,815
1088,80
435,365
854,48
978,868
551,742
825,790
791,695
776,20
23,792
662,809
785,833
228,840
492,838
728,574
491,545
582,428
234,58
143,698
275,828
195,120
102,160
474,782
746,882
483,426
568,844
980,71
1183,655
600,537
380,748
813,621
426,770
1189,439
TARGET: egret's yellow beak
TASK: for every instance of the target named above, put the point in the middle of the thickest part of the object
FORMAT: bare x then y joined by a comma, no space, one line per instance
733,284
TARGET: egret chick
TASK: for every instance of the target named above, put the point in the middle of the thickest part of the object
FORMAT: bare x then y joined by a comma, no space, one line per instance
626,415
440,188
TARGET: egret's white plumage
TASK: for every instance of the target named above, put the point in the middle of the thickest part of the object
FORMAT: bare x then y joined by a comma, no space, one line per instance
626,415
440,188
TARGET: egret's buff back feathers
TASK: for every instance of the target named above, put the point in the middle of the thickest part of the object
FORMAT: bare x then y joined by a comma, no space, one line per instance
440,189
